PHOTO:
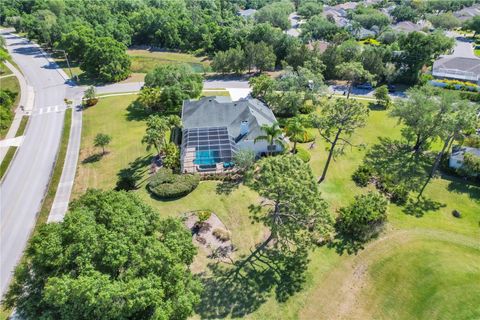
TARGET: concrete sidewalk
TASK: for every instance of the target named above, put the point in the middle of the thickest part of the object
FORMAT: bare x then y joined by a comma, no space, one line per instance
65,186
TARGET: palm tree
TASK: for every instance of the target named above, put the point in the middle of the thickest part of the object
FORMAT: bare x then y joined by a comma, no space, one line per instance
296,131
273,135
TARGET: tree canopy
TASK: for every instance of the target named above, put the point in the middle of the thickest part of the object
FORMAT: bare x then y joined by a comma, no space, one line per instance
167,85
106,59
111,258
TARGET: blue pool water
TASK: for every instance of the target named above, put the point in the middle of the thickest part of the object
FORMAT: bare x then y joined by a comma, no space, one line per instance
207,157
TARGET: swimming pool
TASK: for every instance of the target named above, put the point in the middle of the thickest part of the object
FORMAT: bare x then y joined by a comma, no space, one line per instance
207,157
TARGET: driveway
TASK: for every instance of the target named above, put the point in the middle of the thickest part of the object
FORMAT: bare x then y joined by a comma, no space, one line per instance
463,46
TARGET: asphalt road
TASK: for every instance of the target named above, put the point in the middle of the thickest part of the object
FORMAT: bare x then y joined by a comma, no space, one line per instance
23,188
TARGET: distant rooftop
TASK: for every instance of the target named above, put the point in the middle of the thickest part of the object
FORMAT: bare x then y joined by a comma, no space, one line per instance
247,13
468,12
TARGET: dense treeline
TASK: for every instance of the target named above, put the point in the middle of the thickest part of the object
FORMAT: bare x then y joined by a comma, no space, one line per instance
88,28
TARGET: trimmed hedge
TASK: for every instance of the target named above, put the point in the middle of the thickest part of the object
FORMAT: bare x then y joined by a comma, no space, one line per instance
303,154
167,185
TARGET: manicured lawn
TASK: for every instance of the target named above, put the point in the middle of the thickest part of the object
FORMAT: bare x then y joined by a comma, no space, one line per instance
443,281
22,126
145,60
477,52
420,268
6,161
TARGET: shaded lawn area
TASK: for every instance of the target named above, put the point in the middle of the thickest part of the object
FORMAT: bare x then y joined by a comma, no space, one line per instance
381,282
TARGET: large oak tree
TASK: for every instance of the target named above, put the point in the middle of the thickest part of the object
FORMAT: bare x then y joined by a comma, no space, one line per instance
111,258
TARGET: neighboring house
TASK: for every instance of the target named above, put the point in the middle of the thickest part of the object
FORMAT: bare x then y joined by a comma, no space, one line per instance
459,68
346,6
215,128
409,26
456,158
338,13
362,33
468,12
318,45
247,13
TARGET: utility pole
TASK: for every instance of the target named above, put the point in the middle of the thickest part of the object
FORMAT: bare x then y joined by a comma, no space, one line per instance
68,63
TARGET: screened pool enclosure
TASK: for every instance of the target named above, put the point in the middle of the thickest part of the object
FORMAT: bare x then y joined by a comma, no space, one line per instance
207,149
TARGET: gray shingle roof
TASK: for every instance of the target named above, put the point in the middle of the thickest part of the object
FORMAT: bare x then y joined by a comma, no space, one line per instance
463,68
216,112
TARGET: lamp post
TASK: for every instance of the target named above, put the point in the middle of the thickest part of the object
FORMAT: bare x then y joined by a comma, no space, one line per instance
68,63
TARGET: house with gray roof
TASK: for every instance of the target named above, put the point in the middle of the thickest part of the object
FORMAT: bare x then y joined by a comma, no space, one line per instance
458,68
409,26
468,13
215,128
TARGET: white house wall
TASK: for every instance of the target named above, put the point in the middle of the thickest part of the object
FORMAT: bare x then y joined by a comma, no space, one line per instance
259,147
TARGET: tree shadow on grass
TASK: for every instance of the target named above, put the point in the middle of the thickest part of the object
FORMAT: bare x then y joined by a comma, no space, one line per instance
131,177
396,163
344,243
93,158
235,292
418,207
136,112
227,187
462,186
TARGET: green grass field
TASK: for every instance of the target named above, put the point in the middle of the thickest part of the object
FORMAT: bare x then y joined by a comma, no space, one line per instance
420,268
145,60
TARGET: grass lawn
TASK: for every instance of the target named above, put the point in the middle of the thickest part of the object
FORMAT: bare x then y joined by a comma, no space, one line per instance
145,60
22,126
477,52
4,70
420,268
6,161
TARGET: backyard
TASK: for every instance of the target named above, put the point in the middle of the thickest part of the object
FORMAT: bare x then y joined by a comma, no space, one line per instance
420,267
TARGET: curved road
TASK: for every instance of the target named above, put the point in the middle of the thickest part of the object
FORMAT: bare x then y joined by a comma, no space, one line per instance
24,186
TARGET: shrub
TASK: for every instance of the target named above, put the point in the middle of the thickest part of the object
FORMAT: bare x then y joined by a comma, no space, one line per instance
308,137
362,175
222,235
365,217
167,185
90,102
399,195
203,215
303,154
